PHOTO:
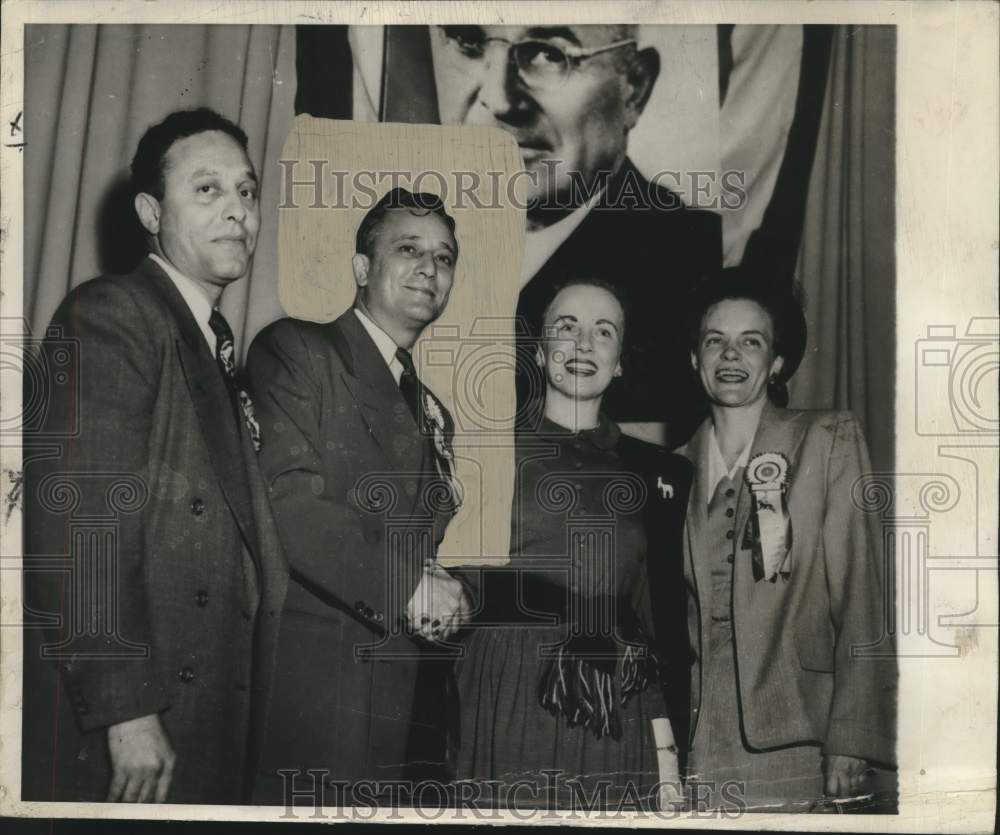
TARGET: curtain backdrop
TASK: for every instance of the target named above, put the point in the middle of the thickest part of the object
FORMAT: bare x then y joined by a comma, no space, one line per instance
91,92
847,264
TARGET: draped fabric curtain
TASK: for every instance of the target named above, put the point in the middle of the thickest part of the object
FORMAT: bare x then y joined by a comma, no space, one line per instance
846,266
91,92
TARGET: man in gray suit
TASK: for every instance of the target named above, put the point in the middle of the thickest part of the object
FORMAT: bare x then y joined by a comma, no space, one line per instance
150,550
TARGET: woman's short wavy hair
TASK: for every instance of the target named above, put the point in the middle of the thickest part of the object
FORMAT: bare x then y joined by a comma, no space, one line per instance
584,280
776,294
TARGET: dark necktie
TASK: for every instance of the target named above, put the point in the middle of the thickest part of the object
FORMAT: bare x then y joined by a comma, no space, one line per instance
429,417
409,385
225,356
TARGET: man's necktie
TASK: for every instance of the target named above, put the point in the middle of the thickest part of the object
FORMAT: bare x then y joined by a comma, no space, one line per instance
409,385
225,356
429,417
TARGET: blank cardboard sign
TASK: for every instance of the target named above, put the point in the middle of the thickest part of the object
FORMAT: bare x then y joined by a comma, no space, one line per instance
333,172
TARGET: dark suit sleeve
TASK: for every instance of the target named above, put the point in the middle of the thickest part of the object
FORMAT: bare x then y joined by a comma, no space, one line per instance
862,715
321,528
86,467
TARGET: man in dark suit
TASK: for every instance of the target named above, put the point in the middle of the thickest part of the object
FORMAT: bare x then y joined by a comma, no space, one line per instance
150,550
570,94
362,488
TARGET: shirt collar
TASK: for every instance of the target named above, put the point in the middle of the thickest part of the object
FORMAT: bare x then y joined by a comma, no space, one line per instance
717,466
383,342
198,304
604,436
540,245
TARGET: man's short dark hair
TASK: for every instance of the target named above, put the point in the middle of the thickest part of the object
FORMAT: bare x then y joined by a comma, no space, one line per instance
149,162
419,203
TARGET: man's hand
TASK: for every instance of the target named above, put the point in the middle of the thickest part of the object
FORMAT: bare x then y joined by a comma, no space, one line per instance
142,761
439,605
844,776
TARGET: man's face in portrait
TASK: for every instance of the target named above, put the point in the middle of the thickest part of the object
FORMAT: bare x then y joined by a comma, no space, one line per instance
568,94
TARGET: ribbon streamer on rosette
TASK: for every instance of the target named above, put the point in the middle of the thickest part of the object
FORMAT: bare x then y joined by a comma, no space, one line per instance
444,457
769,532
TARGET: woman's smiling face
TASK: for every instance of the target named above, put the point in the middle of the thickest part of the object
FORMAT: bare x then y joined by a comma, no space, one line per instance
735,354
582,344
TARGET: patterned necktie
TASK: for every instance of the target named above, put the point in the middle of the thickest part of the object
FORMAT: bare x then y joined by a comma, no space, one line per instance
225,356
429,416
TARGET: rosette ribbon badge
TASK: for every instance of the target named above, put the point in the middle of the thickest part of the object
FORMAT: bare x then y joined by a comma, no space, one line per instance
769,532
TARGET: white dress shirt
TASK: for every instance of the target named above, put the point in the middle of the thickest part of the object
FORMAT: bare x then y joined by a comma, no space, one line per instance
385,344
717,469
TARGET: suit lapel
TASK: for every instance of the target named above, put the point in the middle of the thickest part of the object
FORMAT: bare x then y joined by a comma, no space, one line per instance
697,516
212,404
370,382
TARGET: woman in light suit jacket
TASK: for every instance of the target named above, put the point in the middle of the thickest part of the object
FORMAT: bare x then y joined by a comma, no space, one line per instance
793,684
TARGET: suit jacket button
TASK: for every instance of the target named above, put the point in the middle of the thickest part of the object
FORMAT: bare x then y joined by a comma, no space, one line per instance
730,512
379,617
359,605
730,493
197,507
729,534
201,597
186,675
729,558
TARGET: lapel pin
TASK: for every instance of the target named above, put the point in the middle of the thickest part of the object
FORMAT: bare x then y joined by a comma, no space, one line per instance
667,490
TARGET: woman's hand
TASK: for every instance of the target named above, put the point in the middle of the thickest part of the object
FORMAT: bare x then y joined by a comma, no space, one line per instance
671,792
844,776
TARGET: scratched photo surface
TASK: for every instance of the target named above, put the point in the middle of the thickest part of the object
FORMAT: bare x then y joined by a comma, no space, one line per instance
496,422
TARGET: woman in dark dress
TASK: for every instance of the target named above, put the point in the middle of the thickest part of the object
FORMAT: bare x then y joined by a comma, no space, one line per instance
560,693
